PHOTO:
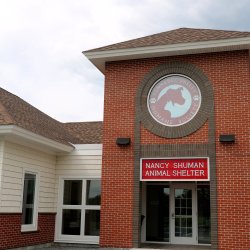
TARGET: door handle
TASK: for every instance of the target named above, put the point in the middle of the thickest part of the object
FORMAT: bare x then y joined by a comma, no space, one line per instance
173,215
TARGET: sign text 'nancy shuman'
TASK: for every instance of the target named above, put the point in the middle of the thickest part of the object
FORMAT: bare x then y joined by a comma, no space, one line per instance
171,169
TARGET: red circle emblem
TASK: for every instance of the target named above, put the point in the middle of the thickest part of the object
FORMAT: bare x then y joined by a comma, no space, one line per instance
174,100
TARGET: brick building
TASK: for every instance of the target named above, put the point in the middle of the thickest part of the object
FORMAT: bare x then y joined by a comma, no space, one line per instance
146,82
172,152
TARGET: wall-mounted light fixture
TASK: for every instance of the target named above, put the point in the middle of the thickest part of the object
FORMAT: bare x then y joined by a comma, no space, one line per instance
227,138
123,141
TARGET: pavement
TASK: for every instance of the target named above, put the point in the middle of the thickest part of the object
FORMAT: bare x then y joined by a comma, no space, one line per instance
96,247
165,248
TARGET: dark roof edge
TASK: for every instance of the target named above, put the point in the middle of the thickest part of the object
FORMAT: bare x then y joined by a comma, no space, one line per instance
103,48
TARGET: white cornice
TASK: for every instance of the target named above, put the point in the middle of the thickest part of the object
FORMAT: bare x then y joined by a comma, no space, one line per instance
88,146
19,135
99,58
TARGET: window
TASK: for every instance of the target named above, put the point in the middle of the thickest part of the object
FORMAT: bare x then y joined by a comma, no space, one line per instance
92,213
79,210
29,207
204,223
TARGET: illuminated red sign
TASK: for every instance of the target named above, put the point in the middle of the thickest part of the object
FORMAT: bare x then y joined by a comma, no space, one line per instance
175,169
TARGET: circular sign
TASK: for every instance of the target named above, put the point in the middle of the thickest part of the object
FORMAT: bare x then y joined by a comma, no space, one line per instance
174,100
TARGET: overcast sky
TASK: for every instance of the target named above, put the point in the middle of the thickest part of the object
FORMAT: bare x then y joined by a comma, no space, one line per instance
41,44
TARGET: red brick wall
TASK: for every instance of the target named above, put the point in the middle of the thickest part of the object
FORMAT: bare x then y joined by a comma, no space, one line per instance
11,236
229,74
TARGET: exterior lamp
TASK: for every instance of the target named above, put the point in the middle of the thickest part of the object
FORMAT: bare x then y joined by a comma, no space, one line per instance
227,138
122,141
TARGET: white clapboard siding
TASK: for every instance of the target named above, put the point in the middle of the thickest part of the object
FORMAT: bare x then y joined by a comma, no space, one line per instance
80,161
1,168
85,161
18,159
62,158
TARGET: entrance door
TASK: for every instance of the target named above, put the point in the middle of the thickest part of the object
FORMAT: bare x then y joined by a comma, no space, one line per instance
183,214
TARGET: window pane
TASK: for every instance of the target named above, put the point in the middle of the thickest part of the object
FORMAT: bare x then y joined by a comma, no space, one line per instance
93,196
27,216
203,196
71,221
28,198
157,223
92,222
72,192
183,215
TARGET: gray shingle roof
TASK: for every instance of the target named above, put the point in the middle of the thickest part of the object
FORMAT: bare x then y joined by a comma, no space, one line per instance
15,111
182,35
85,132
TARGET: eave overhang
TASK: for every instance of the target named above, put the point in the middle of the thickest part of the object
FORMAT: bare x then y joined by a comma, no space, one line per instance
99,58
22,136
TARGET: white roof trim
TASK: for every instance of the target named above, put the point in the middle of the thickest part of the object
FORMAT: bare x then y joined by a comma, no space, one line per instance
98,58
88,146
15,133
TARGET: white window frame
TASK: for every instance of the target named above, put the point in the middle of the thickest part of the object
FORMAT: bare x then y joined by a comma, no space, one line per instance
33,226
82,238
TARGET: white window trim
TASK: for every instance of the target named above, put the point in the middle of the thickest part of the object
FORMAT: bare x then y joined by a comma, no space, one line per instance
74,238
33,226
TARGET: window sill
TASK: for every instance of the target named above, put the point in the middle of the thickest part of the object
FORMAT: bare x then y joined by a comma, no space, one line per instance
30,229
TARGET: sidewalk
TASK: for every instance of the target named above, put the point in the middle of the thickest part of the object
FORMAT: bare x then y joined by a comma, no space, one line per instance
148,247
96,247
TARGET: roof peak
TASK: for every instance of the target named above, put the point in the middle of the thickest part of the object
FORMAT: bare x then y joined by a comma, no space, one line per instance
190,28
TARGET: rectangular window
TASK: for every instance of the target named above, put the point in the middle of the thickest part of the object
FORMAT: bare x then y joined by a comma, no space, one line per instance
204,227
93,196
92,222
92,215
29,211
158,213
72,192
79,210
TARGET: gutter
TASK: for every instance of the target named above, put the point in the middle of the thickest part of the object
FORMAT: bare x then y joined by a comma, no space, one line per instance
16,134
99,58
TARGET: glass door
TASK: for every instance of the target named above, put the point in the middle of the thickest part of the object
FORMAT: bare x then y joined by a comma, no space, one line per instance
183,214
